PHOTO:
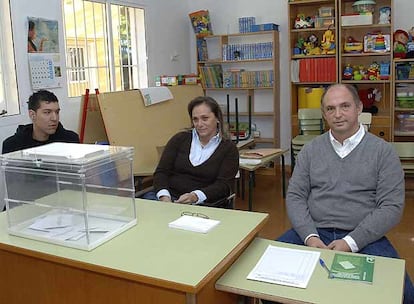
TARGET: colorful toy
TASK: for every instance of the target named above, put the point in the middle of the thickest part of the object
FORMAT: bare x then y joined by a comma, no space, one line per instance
347,73
328,42
311,46
299,46
410,44
368,97
304,22
353,46
385,15
357,75
373,71
384,70
201,23
400,43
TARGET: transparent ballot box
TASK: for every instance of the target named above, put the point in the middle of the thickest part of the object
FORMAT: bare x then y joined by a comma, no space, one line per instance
75,195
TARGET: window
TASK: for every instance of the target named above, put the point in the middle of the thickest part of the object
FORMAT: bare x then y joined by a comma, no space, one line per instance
105,46
75,64
9,104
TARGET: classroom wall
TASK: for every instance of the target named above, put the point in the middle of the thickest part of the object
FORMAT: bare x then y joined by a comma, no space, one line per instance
169,33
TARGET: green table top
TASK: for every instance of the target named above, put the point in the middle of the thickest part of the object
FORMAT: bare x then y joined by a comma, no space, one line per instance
386,288
151,249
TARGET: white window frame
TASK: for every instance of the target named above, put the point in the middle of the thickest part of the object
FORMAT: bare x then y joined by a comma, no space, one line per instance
8,81
137,63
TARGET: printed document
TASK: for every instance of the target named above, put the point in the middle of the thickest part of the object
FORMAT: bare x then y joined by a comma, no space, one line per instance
285,266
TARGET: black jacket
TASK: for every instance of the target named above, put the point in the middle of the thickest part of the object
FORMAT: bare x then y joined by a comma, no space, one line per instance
23,139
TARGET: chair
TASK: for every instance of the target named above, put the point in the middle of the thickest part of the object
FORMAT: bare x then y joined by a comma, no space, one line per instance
365,118
405,151
310,124
227,202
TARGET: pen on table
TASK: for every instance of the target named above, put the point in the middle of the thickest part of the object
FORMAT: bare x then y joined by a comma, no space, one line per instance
322,262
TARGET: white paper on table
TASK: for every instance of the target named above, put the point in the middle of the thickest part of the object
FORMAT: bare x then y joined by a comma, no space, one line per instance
285,266
52,221
194,223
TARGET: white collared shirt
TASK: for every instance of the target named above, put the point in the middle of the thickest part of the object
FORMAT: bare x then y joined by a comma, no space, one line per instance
198,155
343,150
349,144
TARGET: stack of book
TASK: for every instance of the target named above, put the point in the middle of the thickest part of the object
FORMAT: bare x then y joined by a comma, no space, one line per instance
211,76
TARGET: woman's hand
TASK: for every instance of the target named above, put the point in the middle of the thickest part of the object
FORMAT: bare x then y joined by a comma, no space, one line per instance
187,198
165,198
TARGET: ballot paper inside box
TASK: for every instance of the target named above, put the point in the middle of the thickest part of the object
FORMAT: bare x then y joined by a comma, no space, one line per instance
73,195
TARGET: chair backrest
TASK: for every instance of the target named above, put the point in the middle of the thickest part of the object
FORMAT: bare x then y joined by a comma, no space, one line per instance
365,118
405,151
310,121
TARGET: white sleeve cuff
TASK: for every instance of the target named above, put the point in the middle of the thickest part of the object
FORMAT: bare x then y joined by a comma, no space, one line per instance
309,236
163,192
200,195
351,243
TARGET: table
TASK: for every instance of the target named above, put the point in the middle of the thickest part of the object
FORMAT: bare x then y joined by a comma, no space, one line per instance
387,287
149,263
264,161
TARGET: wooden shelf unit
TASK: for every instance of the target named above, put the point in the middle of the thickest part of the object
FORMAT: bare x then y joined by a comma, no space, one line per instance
265,100
382,122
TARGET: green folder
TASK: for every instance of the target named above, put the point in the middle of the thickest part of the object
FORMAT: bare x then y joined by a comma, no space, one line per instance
354,268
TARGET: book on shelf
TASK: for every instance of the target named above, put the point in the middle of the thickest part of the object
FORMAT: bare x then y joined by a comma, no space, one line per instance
258,153
353,267
211,76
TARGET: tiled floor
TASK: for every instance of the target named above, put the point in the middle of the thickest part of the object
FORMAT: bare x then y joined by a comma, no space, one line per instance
268,198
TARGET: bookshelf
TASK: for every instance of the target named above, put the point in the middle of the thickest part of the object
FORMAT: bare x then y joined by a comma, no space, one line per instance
311,68
403,81
244,66
382,120
328,15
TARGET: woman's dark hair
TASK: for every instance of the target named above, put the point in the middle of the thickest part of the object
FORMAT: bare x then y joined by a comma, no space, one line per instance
31,25
214,107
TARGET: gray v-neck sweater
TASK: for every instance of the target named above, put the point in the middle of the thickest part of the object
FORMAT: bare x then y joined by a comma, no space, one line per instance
362,192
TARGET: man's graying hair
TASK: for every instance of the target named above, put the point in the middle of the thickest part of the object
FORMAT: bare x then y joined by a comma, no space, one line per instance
351,89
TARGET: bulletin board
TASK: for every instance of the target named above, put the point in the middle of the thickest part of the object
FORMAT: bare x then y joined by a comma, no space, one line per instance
128,122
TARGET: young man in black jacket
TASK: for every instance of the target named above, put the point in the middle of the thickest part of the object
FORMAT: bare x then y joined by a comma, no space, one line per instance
44,112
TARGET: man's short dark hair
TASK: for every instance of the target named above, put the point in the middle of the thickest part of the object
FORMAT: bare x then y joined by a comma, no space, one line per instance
39,96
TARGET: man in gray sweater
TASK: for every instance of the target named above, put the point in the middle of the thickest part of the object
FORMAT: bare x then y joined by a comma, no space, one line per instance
347,188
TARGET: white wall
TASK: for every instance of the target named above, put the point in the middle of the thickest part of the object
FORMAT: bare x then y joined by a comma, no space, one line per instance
169,33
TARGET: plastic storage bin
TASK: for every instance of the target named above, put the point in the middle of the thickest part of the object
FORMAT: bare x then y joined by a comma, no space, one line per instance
406,122
326,11
310,97
73,195
324,22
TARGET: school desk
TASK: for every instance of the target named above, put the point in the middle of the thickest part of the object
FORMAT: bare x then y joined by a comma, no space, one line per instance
252,169
387,286
149,263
